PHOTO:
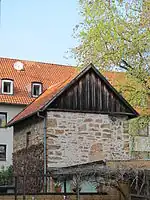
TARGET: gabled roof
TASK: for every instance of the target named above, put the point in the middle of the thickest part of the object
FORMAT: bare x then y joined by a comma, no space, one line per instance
46,73
46,98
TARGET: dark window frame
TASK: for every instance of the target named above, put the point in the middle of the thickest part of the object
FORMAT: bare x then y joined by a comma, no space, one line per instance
4,113
32,88
11,81
5,147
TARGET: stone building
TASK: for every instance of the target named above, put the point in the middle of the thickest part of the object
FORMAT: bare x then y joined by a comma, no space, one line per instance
79,120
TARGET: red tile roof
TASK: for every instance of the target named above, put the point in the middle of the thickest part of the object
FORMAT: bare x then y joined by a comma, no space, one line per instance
48,74
115,78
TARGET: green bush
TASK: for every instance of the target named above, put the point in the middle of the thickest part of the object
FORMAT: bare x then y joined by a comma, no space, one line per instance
6,175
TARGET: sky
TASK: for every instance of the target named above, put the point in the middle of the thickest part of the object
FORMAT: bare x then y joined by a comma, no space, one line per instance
39,30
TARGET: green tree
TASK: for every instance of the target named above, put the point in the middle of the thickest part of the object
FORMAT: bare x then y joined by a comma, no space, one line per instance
115,34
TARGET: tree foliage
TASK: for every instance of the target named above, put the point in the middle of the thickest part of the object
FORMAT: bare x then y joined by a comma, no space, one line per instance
115,35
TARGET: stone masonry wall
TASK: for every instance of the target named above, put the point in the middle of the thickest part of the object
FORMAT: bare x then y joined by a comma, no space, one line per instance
74,138
33,125
28,160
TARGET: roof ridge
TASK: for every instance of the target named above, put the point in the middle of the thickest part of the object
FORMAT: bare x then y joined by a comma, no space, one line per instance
41,62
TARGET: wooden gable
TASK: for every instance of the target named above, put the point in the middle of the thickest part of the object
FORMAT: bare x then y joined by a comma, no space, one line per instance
91,92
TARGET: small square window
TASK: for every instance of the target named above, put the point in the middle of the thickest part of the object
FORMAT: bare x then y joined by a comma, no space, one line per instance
7,87
3,120
2,152
36,89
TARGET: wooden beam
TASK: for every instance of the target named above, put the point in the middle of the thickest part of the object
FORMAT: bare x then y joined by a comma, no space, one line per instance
96,112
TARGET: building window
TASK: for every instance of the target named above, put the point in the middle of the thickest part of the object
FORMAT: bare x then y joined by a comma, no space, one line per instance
36,89
7,86
3,120
28,135
2,152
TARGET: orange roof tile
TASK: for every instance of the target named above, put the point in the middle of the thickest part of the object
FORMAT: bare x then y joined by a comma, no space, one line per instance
48,74
115,78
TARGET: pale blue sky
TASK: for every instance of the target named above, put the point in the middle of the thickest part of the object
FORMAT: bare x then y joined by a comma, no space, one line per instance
38,29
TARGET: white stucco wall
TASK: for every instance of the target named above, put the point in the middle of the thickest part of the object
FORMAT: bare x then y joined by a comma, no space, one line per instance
6,134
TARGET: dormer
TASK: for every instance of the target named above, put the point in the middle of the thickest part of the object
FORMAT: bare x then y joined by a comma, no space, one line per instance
36,89
7,86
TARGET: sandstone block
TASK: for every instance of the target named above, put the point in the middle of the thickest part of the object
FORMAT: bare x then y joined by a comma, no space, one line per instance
82,127
50,130
119,138
83,160
74,142
106,135
58,153
107,130
97,147
62,127
90,138
59,131
88,120
50,152
105,126
80,147
80,138
57,115
54,147
98,134
98,121
94,129
51,123
94,125
84,151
